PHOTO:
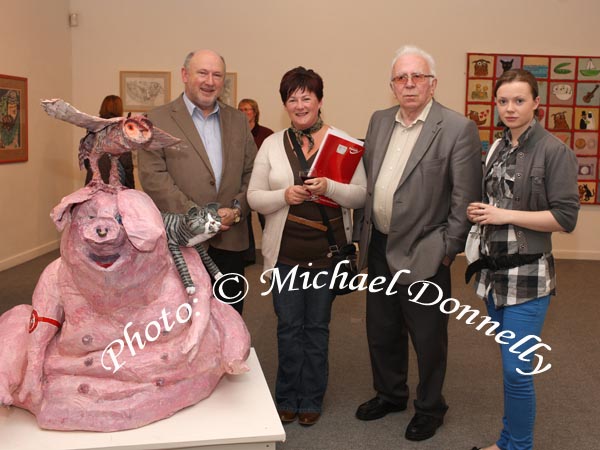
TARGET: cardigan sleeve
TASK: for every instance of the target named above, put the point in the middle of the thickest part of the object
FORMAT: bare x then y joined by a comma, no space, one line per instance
262,197
350,195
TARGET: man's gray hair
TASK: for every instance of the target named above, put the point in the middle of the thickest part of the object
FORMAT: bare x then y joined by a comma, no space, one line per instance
413,50
190,55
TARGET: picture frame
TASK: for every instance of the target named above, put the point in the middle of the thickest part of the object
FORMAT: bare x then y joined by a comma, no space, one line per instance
142,90
229,95
13,118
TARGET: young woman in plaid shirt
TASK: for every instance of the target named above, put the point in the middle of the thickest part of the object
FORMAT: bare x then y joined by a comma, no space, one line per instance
529,192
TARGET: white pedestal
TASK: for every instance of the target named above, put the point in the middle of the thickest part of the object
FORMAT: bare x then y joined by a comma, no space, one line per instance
239,414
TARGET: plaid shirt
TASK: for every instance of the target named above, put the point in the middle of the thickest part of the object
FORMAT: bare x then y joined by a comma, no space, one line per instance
519,284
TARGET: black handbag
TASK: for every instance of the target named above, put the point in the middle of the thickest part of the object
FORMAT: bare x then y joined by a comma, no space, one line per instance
343,259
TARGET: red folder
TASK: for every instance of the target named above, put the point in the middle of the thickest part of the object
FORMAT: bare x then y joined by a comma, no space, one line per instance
338,158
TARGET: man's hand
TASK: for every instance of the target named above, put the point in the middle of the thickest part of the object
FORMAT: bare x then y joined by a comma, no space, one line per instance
228,216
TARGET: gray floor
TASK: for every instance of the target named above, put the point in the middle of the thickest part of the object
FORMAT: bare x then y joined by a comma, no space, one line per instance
568,394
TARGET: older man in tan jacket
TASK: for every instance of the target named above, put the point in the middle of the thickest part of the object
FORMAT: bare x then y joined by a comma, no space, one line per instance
213,163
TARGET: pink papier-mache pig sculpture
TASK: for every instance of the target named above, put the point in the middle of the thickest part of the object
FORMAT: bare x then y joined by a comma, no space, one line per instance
67,358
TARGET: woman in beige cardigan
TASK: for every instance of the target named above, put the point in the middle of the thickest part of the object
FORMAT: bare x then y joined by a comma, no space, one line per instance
295,245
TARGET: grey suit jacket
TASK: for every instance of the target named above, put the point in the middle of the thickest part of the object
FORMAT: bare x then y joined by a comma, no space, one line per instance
442,176
180,177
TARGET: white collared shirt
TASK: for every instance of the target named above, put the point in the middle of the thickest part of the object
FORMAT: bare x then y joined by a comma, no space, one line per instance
399,149
209,129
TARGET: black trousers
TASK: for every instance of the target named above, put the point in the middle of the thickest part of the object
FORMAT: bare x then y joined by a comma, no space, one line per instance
229,262
391,319
249,255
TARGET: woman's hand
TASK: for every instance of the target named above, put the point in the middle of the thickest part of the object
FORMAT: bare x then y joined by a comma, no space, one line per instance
317,186
487,214
294,195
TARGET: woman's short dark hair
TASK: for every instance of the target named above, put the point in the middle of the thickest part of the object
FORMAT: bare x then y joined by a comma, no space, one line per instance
518,75
303,79
112,106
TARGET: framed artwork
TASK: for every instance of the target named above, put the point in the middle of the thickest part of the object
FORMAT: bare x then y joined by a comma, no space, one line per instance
13,117
143,91
569,105
229,95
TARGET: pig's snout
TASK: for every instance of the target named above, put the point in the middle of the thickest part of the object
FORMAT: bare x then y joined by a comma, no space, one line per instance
104,231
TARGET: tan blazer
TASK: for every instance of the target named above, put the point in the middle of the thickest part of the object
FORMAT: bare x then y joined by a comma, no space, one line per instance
181,177
442,176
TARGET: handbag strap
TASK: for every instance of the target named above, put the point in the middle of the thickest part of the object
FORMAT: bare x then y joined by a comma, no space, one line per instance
491,151
333,247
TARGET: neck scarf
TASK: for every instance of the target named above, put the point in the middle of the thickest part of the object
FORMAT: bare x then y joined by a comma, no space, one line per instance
308,133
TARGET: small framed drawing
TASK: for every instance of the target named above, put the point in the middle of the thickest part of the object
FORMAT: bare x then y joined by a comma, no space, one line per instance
143,91
13,115
229,95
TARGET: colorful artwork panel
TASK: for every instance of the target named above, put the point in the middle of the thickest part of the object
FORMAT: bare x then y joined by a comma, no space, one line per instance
588,94
506,62
585,143
538,66
588,69
569,91
563,68
481,66
588,192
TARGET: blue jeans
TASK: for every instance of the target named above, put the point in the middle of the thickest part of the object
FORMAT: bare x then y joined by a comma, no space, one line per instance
303,340
519,394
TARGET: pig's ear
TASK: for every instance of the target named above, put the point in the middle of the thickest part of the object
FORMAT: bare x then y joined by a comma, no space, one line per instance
61,214
141,219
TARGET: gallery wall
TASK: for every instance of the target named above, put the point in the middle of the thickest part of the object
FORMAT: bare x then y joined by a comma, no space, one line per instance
350,46
36,44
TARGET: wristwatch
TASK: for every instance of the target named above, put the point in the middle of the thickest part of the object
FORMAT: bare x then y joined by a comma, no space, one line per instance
237,211
237,215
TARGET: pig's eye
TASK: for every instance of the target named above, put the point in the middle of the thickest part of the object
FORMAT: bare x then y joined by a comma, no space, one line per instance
119,219
91,217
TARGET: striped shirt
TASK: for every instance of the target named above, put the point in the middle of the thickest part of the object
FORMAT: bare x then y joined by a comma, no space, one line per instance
519,284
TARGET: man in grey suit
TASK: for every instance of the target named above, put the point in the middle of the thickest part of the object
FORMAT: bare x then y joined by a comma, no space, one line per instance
423,165
213,163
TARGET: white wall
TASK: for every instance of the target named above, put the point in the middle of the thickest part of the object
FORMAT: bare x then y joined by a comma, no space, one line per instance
35,43
350,46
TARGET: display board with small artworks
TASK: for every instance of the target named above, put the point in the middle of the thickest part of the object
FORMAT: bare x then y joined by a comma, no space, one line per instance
569,104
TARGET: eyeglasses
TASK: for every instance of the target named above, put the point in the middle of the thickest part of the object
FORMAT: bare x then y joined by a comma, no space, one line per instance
417,78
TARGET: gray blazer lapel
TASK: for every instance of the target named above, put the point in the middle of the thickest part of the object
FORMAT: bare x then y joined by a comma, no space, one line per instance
182,118
430,129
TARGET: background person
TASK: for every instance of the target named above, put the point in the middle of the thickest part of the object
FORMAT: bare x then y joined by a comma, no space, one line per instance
112,106
423,164
250,108
213,162
260,133
294,236
529,191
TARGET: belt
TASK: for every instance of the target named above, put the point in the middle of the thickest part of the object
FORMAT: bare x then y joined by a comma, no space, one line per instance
500,263
307,222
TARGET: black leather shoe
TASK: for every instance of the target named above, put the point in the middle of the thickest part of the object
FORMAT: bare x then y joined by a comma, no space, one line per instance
422,427
376,408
